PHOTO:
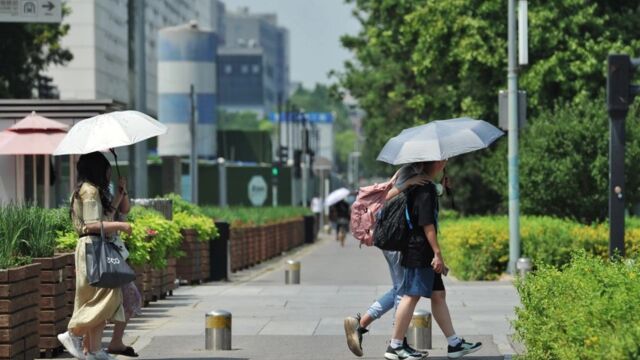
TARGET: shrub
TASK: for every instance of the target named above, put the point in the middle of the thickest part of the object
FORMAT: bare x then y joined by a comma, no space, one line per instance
203,225
153,239
586,310
255,216
477,248
181,205
564,157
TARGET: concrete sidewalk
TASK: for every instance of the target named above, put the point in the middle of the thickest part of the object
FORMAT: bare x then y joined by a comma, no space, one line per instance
274,321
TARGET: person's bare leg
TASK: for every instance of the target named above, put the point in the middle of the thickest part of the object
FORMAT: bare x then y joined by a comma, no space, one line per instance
95,340
116,343
403,316
440,312
366,320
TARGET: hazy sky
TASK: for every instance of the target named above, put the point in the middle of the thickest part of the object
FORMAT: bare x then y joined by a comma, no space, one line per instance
315,27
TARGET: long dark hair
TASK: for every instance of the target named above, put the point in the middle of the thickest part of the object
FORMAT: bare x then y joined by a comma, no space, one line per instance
92,168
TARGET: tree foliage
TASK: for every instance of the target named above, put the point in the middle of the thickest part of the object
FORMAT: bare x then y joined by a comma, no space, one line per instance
422,60
27,50
564,163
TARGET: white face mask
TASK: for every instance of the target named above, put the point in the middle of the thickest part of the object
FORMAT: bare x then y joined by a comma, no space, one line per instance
439,189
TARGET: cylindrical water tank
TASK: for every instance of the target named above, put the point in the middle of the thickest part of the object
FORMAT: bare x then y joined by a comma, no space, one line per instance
187,56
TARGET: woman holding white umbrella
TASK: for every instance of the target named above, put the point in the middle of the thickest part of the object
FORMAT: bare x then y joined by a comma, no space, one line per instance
92,210
91,206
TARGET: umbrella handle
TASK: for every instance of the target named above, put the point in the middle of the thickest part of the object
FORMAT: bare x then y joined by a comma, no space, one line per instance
116,158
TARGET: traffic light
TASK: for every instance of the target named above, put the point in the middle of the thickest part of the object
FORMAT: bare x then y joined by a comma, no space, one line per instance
620,91
297,161
283,154
275,172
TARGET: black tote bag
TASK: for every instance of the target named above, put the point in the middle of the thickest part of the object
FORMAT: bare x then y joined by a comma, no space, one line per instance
106,267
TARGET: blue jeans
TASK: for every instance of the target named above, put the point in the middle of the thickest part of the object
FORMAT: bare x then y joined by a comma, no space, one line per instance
390,299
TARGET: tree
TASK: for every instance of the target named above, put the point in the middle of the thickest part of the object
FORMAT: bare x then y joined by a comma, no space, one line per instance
422,60
28,49
243,120
564,163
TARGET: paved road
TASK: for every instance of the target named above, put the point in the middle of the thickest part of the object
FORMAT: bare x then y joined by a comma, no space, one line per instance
276,321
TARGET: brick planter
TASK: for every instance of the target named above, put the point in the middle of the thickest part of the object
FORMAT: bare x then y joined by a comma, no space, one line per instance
156,284
169,278
205,262
189,267
70,293
235,237
54,313
19,308
144,282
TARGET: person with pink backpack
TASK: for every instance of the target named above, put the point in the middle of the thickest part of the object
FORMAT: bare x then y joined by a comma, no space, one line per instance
416,272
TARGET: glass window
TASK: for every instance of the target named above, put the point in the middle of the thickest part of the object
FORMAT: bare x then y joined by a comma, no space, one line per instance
228,69
255,69
244,69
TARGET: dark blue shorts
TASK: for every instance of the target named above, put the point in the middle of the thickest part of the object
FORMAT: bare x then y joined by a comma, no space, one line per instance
420,282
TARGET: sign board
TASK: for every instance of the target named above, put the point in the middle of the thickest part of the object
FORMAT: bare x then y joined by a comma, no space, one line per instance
312,117
30,11
257,190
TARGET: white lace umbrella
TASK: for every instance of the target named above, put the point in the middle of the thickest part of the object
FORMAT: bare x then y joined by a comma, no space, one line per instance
439,140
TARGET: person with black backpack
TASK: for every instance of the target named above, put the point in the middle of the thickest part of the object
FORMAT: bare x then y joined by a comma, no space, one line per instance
419,270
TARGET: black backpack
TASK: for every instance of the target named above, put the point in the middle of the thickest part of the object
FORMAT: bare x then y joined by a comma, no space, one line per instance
393,224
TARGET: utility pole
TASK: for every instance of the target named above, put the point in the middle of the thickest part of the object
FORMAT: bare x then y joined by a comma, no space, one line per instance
514,187
620,95
193,165
140,58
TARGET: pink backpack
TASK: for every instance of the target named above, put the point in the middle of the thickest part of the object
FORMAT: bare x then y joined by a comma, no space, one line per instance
363,211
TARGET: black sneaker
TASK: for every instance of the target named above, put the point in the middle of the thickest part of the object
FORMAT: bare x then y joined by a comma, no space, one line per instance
354,334
463,348
401,354
406,345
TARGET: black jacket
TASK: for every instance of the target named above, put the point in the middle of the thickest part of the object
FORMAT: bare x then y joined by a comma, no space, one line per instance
423,208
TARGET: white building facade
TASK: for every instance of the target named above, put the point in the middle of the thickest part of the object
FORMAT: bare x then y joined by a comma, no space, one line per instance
99,38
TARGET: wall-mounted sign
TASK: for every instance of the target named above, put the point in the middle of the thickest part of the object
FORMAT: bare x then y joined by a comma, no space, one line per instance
257,190
30,11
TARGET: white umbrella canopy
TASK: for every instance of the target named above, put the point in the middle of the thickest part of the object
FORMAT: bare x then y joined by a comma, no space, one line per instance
336,196
439,140
108,131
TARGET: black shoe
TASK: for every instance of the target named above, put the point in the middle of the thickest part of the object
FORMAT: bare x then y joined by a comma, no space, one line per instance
406,345
401,354
463,348
354,334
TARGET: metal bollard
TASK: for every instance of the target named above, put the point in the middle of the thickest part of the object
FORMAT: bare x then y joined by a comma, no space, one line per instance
218,330
292,272
524,266
419,334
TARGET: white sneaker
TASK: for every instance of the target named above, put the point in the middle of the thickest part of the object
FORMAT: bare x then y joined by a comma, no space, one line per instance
73,344
100,355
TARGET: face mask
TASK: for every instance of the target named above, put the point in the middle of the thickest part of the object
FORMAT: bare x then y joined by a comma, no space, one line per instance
439,189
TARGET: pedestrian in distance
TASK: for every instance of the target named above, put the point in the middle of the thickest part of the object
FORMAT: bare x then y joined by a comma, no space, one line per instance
92,209
416,273
341,215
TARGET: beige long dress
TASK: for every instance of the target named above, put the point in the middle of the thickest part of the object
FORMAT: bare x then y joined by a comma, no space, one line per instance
93,306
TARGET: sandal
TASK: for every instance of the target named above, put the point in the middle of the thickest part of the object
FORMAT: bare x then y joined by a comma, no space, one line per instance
128,351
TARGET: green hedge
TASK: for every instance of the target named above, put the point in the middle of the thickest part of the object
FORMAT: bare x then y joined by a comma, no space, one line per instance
253,216
477,248
586,310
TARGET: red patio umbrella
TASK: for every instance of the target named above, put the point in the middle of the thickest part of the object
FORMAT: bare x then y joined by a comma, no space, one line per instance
33,135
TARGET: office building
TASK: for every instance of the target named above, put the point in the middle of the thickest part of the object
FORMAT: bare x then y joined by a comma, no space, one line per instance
253,67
